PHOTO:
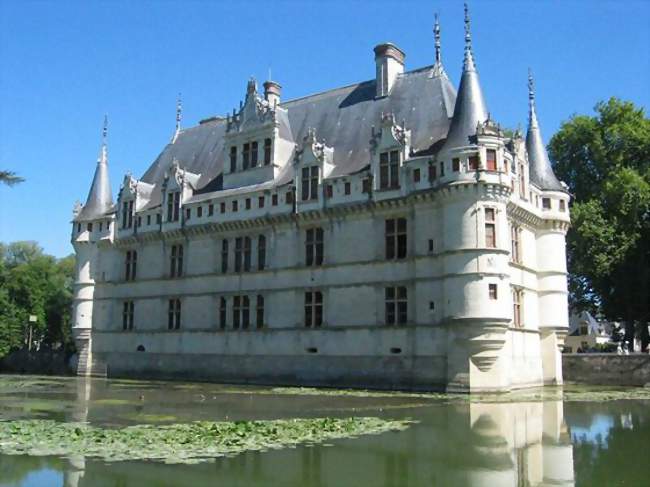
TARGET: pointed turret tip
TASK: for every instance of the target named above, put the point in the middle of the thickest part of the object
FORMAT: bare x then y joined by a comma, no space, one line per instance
531,85
468,35
105,128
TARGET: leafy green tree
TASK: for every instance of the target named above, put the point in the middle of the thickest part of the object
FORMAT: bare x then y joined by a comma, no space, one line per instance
605,160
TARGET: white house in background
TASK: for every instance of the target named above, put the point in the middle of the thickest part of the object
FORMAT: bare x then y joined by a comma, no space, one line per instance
384,234
585,332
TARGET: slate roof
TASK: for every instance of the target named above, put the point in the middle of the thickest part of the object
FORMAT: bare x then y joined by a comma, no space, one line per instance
342,117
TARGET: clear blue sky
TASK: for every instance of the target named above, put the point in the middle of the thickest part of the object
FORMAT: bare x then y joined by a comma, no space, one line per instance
64,64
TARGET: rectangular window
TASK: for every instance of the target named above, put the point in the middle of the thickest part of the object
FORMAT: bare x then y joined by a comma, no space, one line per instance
222,207
365,186
239,249
396,305
490,228
138,221
247,254
127,315
188,213
254,154
473,162
347,188
522,182
173,206
289,197
261,252
492,291
309,183
199,212
260,202
314,246
246,156
546,203
131,264
247,203
174,314
267,152
235,205
274,200
389,170
148,220
236,312
224,256
455,164
223,313
313,309
562,205
416,175
515,246
491,160
329,191
259,312
158,218
395,232
211,209
233,159
127,214
176,261
245,312
517,298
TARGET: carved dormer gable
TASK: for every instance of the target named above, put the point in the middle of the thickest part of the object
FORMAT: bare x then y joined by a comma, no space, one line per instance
390,146
178,186
258,141
313,162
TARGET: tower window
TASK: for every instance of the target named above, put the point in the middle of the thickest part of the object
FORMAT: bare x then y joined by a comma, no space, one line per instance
492,291
396,305
309,183
89,226
235,205
490,228
517,298
389,170
289,197
329,191
395,233
199,212
416,175
365,186
248,203
128,308
260,202
347,188
176,261
473,162
174,314
491,160
562,205
267,152
188,213
148,220
546,203
314,246
515,244
224,256
455,164
222,207
313,309
211,209
274,200
432,172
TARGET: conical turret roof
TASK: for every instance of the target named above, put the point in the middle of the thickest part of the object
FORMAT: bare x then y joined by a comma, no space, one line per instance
100,199
541,171
470,108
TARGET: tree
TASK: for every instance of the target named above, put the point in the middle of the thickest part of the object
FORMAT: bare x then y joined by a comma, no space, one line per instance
9,178
605,160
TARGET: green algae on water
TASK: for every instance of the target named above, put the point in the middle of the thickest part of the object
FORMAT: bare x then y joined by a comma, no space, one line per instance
180,443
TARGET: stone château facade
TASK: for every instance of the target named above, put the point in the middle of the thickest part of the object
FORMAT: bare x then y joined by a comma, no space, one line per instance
385,234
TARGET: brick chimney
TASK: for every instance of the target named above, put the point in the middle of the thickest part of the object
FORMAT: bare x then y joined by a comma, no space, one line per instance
389,60
272,91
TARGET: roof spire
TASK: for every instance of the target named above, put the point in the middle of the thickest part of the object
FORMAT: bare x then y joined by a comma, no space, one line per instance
470,109
541,171
438,69
468,62
99,200
179,116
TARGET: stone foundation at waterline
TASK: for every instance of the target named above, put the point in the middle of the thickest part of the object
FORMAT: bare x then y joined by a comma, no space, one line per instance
606,369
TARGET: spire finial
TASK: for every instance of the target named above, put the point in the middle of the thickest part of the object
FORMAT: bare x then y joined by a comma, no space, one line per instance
103,156
105,129
436,33
468,62
531,100
531,86
179,117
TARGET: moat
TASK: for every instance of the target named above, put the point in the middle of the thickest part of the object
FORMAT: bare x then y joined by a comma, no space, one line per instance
571,436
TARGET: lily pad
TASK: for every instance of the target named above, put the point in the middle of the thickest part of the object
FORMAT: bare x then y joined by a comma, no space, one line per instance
180,443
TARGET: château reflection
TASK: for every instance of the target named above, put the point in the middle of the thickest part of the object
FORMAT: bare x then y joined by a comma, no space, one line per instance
469,444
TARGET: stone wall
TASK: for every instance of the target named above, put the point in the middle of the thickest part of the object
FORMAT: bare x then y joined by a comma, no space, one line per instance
606,369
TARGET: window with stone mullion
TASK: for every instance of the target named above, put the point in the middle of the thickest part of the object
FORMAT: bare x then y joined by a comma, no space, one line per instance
396,305
314,246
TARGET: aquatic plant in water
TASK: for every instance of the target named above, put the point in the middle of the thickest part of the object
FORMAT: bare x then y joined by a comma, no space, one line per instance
180,443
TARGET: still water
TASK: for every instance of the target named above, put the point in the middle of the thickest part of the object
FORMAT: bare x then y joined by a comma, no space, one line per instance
521,440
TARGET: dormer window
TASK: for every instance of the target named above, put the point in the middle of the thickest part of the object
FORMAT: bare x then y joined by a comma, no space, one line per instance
389,170
309,183
233,158
253,154
173,206
491,160
246,155
127,214
267,152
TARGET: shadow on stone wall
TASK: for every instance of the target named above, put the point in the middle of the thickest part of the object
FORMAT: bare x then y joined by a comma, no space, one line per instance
606,369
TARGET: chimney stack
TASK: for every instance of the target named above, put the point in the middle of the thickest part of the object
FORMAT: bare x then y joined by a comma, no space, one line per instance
389,60
272,91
